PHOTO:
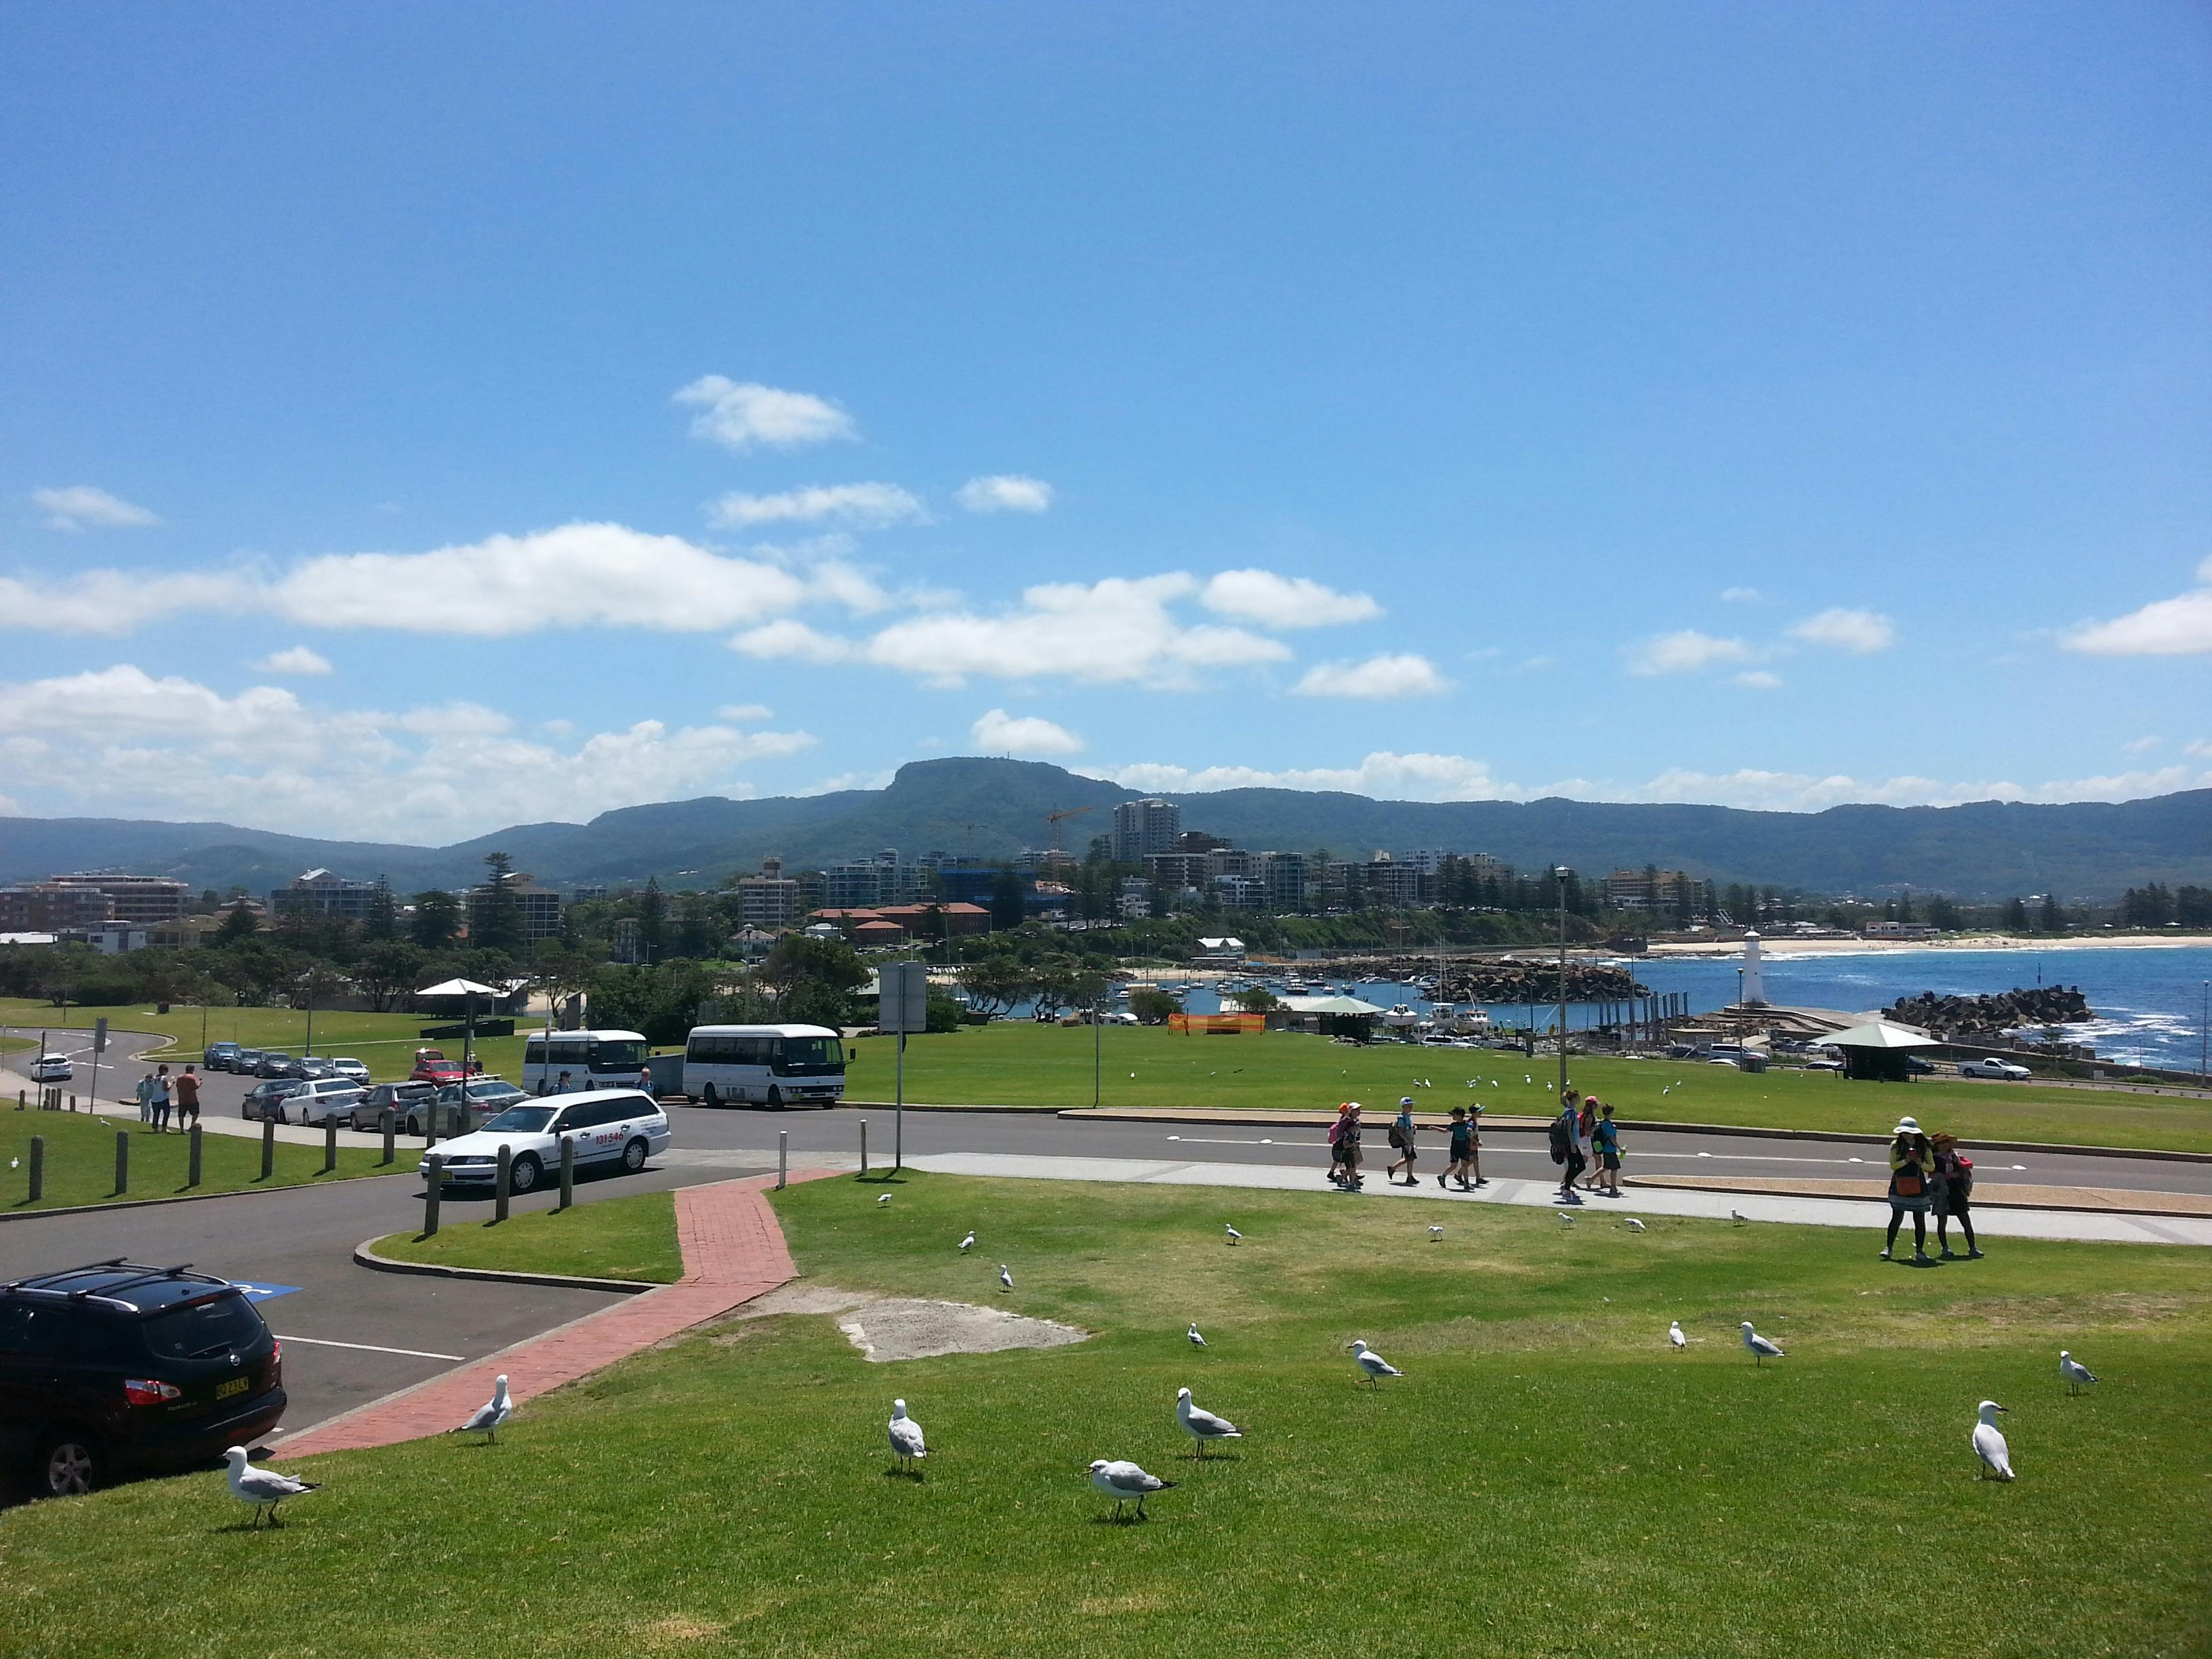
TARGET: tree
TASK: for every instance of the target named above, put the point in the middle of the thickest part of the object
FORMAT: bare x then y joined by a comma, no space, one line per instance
495,913
1008,907
2015,916
437,919
561,971
651,921
238,923
1153,1006
814,978
387,970
380,921
994,983
1258,999
2051,919
695,927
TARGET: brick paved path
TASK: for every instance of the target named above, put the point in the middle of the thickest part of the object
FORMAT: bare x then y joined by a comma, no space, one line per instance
734,1251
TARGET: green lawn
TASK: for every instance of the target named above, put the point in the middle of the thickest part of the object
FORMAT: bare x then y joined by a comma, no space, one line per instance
1015,1062
619,1238
80,1164
1547,1478
385,1043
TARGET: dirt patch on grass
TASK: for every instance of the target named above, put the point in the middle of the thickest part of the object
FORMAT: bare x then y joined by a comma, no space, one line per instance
902,1328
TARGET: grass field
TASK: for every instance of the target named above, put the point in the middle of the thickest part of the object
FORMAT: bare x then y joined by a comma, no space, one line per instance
620,1238
1547,1478
80,1165
1012,1062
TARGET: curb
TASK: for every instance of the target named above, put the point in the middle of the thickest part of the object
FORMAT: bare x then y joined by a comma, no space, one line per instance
387,1264
180,1198
1678,1185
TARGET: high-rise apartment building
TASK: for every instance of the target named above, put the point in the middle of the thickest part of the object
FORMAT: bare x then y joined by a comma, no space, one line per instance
1142,828
137,899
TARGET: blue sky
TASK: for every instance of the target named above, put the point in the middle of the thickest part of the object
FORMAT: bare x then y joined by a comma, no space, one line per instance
418,419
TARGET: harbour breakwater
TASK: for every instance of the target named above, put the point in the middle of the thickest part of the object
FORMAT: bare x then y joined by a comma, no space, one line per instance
1990,1016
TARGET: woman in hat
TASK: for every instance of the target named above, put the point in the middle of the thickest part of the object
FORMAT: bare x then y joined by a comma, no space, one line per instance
1911,1165
1953,1191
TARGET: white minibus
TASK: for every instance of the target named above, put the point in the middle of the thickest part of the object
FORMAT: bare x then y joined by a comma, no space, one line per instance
773,1064
593,1060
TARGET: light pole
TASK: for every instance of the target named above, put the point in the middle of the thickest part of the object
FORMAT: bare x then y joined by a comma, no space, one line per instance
1559,875
2205,1038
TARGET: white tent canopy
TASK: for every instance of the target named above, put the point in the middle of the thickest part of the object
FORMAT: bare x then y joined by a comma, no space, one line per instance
1881,1034
458,987
1328,1006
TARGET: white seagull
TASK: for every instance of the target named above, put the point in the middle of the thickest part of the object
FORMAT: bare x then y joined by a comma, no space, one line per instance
1006,1278
1674,1336
969,1242
1632,1224
1123,1481
1196,1340
1990,1443
1203,1425
492,1412
906,1437
885,1199
263,1488
1372,1365
1761,1349
1567,1216
1434,1234
1233,1233
1738,1216
2073,1372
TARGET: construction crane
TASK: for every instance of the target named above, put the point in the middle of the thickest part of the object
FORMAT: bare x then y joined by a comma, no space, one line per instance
1054,819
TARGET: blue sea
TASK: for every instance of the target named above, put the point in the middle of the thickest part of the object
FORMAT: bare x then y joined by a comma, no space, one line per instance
2149,1003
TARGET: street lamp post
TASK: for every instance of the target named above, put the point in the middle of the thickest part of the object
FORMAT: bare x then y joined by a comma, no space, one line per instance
1559,875
2205,1038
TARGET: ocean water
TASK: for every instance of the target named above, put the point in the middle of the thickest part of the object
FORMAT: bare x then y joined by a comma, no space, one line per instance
2149,1003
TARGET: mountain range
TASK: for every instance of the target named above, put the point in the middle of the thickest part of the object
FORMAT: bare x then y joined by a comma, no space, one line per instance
994,808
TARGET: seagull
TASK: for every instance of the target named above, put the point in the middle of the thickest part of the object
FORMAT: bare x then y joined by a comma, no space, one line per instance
1990,1443
492,1412
1196,1340
1761,1349
1372,1365
1567,1217
885,1199
2073,1372
1675,1337
1738,1216
1203,1425
1435,1233
1006,1278
263,1488
906,1437
1122,1480
969,1242
1632,1224
1233,1233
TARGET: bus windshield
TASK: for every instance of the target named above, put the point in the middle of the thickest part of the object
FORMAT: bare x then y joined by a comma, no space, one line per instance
611,1056
809,1056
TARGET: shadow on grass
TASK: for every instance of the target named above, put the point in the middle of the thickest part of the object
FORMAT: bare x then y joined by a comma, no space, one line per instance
880,1178
897,1473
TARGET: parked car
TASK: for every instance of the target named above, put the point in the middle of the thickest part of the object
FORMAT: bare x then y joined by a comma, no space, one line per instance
613,1129
246,1062
325,1098
404,1101
431,1066
313,1068
116,1369
352,1069
218,1056
266,1099
52,1068
275,1065
1824,1065
488,1096
1991,1066
1921,1067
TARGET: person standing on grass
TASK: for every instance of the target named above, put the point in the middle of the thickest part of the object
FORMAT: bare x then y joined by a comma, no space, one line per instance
1953,1194
188,1098
1401,1141
1911,1166
162,1100
1606,1142
1568,1145
145,1093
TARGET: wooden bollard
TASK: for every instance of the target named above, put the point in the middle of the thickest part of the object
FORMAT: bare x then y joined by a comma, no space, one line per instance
433,1189
268,1148
390,1124
503,1183
38,1168
568,1170
122,1161
192,1157
330,1143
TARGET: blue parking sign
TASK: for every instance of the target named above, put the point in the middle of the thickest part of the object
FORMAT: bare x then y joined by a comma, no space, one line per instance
256,1292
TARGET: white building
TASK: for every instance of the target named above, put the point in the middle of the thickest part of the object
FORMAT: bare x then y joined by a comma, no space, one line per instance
1142,828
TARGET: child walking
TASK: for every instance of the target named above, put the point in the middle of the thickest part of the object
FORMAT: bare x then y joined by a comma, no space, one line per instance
1401,1141
1464,1153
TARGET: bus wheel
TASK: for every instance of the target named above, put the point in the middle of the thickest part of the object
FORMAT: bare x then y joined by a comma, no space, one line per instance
709,1098
775,1096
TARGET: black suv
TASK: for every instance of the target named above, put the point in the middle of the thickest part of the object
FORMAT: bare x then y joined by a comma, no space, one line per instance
118,1369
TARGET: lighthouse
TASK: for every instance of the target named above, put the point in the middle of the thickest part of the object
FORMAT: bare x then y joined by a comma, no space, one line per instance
1754,991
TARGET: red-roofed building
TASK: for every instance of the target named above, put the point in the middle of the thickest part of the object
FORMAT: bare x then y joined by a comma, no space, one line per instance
878,932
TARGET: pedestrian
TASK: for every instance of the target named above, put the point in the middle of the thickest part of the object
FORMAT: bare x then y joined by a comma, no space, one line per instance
1586,1123
1568,1147
1912,1164
188,1098
1953,1195
1401,1141
1462,1154
1344,1146
145,1093
563,1087
162,1100
1606,1143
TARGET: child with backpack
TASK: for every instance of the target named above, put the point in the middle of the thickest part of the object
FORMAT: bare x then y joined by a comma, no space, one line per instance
1465,1152
1402,1142
1567,1146
1344,1147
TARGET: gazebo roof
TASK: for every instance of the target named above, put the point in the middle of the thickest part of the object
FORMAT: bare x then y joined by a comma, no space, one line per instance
1329,1005
1881,1034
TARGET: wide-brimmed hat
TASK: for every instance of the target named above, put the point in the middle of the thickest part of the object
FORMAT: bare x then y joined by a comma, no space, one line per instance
1405,1100
1906,1125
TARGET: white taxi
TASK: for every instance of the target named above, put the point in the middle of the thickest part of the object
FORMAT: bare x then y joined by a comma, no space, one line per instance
612,1129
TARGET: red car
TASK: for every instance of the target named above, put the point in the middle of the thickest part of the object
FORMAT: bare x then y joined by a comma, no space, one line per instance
431,1066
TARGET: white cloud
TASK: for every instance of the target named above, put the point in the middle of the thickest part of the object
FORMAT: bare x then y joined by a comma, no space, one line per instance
869,505
115,602
142,746
1861,632
1262,597
294,660
2141,745
1119,630
1740,596
2166,628
1799,791
739,414
1758,679
1006,492
1384,774
998,733
1405,675
745,714
80,506
2202,747
1684,651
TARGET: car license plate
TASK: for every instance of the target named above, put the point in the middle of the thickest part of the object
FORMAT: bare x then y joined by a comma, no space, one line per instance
235,1386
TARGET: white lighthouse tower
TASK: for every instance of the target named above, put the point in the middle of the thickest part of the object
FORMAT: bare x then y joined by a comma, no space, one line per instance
1754,988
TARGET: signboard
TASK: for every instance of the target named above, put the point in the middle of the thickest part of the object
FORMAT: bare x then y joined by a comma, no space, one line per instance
903,1006
100,1036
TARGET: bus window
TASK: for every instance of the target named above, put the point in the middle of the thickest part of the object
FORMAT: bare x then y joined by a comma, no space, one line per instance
613,1055
809,1056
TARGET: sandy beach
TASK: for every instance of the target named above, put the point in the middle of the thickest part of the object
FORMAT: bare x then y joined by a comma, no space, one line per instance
1787,946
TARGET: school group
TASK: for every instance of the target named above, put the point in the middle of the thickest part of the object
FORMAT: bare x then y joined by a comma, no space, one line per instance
1584,1138
157,1090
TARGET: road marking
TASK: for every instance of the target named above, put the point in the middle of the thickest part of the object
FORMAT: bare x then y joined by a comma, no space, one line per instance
1531,1151
262,1292
369,1347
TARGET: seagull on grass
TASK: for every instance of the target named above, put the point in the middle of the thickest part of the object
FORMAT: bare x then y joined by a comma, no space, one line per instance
1738,1216
1203,1425
1005,1279
1124,1482
1196,1340
1675,1337
1761,1349
263,1488
907,1444
494,1411
1372,1365
1632,1224
1436,1234
885,1199
1990,1443
1233,1233
1567,1216
2073,1373
969,1242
